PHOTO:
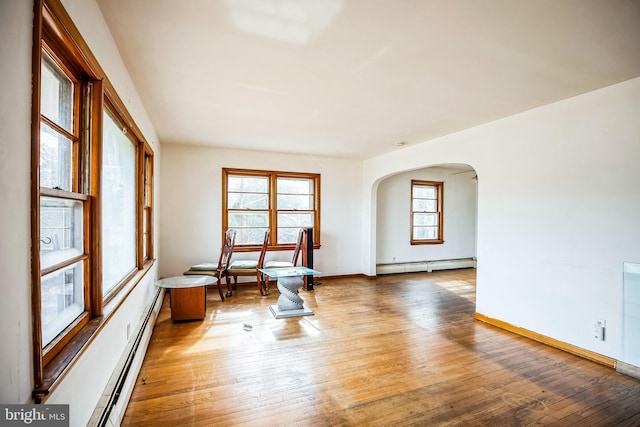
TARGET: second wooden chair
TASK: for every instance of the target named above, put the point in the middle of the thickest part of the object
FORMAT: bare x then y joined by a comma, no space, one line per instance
251,267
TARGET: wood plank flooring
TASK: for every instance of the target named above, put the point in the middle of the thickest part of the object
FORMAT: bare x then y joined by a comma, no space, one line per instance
400,350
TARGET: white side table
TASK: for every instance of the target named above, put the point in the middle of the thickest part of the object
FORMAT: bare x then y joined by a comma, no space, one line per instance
290,304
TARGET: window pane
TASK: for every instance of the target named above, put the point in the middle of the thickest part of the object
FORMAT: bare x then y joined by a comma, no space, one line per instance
241,184
56,96
423,205
62,298
146,222
425,233
248,201
55,159
295,219
118,205
424,191
61,230
248,219
295,185
145,246
295,202
425,219
147,181
288,235
250,236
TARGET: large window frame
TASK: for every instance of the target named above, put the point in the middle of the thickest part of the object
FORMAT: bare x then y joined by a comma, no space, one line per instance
59,47
272,211
427,212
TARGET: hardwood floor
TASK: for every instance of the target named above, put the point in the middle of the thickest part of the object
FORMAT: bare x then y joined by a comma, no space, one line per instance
396,351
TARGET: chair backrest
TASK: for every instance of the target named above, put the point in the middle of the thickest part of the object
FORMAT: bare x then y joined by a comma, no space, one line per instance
296,251
263,251
227,250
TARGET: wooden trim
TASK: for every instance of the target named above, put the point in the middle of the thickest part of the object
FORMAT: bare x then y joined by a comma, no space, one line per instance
62,194
53,125
95,160
66,336
63,264
569,348
63,28
440,211
345,276
272,208
147,205
36,304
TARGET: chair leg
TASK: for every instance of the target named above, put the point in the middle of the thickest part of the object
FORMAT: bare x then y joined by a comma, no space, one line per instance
220,290
261,286
229,292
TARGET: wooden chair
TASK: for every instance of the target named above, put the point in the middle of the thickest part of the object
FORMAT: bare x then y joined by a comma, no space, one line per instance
251,267
221,269
284,264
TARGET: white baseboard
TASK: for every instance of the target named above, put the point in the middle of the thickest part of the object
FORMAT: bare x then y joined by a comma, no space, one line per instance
412,267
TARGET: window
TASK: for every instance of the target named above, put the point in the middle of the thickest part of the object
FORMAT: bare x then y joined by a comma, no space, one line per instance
147,204
255,201
92,174
426,212
63,207
118,203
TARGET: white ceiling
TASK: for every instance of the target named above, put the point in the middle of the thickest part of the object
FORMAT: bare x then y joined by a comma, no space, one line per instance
350,78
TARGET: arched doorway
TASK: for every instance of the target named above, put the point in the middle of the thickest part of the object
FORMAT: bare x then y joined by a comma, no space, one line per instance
397,250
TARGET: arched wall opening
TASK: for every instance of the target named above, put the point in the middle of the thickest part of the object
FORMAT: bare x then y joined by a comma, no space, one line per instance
395,252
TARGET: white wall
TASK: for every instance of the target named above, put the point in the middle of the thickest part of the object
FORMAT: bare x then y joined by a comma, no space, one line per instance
15,164
558,209
84,383
393,228
192,197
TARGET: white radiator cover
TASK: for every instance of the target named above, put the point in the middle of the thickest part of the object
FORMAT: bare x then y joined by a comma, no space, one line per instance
629,361
111,408
413,267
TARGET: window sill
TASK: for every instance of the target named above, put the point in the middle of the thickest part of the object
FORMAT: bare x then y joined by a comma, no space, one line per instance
62,363
427,242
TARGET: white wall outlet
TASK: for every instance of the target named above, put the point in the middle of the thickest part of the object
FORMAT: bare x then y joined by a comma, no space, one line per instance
599,329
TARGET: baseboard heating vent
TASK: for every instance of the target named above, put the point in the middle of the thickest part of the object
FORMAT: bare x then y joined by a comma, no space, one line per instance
627,369
125,372
429,266
629,359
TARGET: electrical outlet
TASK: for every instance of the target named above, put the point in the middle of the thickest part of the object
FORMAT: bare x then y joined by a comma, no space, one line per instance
128,331
599,329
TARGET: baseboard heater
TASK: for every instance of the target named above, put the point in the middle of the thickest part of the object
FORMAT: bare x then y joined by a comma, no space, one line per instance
429,266
113,392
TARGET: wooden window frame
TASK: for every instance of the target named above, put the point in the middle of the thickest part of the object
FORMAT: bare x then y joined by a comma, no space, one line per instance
272,177
145,165
440,211
55,33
